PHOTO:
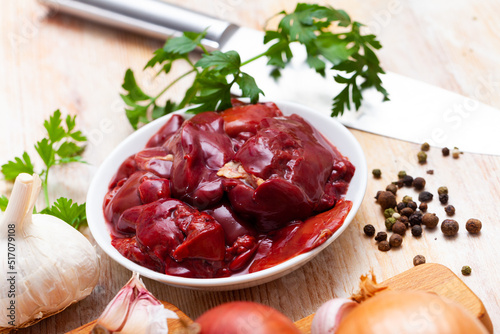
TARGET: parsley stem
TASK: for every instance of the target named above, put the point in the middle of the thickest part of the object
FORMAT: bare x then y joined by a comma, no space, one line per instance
153,100
254,58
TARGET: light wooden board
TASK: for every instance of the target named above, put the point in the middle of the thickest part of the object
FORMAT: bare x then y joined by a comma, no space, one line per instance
50,61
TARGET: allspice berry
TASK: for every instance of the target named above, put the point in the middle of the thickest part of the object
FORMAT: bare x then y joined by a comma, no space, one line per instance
449,227
399,228
450,210
430,220
418,260
419,183
386,199
384,246
423,207
395,240
392,188
406,212
381,236
473,226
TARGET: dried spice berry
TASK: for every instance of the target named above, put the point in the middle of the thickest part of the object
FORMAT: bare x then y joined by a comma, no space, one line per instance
450,210
396,215
401,206
423,207
422,157
404,220
378,194
395,240
377,173
416,218
389,222
369,230
466,270
412,205
430,172
442,190
416,230
443,198
425,196
408,180
384,246
392,188
419,183
418,260
455,153
381,236
401,174
430,220
425,146
473,226
449,227
445,151
399,228
407,199
387,200
407,212
388,212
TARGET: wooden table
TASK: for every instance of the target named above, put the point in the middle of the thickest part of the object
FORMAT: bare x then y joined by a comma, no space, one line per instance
55,61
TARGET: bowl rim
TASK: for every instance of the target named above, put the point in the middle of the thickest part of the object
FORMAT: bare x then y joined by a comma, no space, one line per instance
96,219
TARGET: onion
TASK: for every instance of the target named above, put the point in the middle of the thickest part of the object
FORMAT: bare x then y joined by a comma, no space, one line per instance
245,318
409,312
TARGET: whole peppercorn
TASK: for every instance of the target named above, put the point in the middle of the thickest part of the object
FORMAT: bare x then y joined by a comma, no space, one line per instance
381,236
404,220
425,196
449,227
406,199
419,183
455,153
384,246
378,194
401,174
388,212
442,190
377,173
450,210
395,240
430,172
445,151
389,222
418,260
406,212
443,198
396,215
416,218
425,146
401,206
369,230
473,226
387,200
412,205
399,183
399,228
466,270
416,230
408,180
430,220
423,207
422,157
392,188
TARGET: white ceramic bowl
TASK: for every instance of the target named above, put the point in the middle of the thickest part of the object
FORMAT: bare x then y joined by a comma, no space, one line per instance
330,128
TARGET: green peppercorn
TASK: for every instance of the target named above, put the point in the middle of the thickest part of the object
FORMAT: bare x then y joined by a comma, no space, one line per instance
389,222
407,199
466,270
422,157
418,260
388,212
401,174
425,146
369,230
442,190
377,173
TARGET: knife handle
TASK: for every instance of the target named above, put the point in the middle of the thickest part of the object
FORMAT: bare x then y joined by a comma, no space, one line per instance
150,17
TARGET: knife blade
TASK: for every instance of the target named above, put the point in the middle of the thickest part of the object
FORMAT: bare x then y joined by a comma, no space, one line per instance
418,112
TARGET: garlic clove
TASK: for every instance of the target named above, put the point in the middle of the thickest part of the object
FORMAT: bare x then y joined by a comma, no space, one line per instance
134,310
330,314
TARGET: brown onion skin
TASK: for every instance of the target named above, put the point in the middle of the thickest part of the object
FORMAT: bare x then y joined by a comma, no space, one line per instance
245,318
410,312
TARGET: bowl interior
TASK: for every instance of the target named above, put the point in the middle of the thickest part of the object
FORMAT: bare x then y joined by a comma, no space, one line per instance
330,128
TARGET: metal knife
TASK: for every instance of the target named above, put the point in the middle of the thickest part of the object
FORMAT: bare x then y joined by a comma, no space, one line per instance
417,112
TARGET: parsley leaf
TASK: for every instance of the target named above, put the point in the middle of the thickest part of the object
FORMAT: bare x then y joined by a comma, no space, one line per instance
72,213
12,169
3,203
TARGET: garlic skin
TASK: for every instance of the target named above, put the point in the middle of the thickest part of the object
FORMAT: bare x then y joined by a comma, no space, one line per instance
55,265
134,310
330,314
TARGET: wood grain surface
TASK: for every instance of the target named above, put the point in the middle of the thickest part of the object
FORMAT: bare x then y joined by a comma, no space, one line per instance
50,61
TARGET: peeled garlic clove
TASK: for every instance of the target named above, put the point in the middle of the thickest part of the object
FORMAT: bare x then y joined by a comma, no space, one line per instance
330,314
134,310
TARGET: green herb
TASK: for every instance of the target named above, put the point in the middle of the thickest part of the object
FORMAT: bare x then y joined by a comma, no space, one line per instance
348,52
63,144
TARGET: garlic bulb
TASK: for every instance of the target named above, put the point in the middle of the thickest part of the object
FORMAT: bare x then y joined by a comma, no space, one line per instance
47,265
134,310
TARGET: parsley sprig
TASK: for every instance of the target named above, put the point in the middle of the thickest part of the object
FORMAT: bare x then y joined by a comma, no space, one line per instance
349,52
62,145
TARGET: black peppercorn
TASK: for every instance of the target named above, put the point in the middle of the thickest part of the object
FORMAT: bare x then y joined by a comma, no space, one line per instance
445,151
418,260
401,206
416,218
450,210
449,227
412,205
406,212
377,173
399,228
399,183
381,236
430,220
369,230
425,196
407,180
419,183
473,226
384,246
404,220
423,207
416,230
387,200
443,198
392,188
395,240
